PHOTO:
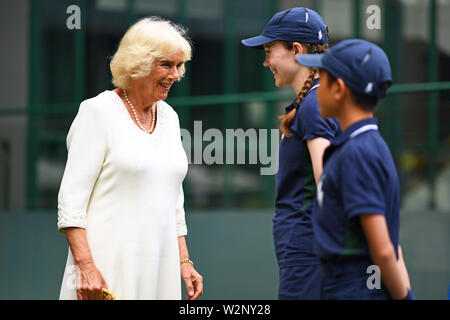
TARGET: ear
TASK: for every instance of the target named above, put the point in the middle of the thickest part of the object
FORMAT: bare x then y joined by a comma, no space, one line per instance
298,48
339,90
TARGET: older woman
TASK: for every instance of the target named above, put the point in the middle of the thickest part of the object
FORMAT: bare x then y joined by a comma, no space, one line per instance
120,203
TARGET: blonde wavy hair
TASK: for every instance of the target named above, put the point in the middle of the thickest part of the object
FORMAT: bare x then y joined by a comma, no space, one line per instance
148,40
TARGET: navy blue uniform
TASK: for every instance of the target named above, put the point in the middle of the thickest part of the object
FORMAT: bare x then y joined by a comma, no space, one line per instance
359,177
296,189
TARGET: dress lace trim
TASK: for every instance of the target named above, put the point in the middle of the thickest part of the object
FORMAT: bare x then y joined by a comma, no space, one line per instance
70,218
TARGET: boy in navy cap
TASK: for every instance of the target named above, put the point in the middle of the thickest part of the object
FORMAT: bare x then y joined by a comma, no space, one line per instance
356,222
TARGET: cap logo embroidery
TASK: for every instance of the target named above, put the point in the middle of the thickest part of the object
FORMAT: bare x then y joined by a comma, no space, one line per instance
306,13
369,87
284,15
320,35
366,58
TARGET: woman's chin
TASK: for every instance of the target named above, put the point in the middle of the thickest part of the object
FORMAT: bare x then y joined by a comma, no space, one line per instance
162,96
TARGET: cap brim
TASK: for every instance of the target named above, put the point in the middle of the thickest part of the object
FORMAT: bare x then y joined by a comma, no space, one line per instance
310,60
257,41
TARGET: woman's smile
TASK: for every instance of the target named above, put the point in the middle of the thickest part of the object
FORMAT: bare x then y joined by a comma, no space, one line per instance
166,86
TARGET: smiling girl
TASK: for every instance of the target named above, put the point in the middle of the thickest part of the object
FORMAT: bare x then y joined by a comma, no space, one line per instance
305,135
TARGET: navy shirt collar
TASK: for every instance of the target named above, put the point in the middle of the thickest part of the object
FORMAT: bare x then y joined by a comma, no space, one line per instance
344,136
294,103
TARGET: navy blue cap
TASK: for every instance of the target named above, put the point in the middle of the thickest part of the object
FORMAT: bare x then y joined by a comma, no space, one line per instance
362,65
296,24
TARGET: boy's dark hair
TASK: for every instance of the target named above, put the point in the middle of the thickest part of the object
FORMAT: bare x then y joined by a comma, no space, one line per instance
366,102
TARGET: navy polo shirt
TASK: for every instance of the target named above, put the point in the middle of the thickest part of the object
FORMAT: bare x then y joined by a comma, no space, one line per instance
296,188
359,177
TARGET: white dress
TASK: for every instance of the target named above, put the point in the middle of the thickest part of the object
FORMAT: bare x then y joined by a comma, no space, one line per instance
124,186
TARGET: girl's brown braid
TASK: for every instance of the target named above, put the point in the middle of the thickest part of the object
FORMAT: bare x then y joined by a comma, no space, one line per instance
288,119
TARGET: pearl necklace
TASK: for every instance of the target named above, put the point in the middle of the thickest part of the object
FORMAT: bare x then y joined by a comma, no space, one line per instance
152,126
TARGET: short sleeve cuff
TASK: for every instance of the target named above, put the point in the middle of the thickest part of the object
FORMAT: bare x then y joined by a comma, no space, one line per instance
365,210
323,134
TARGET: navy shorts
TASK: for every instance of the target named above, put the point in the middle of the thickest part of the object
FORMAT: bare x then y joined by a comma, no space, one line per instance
348,280
300,282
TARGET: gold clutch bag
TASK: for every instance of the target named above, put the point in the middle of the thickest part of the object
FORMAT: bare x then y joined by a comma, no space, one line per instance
108,295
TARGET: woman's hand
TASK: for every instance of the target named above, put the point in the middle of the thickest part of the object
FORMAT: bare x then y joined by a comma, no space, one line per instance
90,282
193,281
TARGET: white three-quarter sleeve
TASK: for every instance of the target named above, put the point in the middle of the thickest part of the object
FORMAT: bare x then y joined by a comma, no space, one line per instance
181,221
86,145
180,215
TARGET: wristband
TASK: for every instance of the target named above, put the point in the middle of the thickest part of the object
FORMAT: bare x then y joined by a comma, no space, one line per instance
186,261
410,295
